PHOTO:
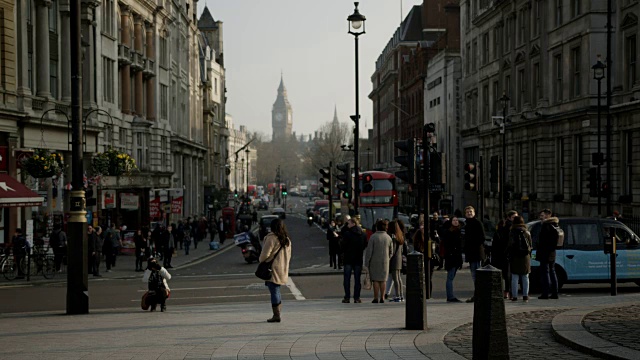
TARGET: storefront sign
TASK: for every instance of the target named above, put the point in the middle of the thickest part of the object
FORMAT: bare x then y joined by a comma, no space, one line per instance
164,195
176,206
129,201
108,199
154,208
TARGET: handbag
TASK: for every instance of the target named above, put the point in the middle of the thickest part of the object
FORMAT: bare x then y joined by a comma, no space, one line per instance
143,302
366,282
264,268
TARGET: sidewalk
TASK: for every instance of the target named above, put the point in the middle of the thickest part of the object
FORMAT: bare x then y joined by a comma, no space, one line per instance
324,329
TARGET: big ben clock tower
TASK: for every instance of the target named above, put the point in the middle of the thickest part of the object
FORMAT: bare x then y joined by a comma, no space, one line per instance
281,114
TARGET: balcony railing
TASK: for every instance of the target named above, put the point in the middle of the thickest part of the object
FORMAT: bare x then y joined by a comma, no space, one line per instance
123,55
137,61
149,68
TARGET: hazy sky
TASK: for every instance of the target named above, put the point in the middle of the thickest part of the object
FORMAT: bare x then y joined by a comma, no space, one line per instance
308,41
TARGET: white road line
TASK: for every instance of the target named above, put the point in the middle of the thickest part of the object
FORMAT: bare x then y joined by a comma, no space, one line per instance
204,288
294,290
211,297
204,258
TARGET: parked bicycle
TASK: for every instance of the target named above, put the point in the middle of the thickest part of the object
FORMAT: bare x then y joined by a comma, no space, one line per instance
8,266
38,262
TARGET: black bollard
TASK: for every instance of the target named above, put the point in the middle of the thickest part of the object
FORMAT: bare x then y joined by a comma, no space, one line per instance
490,340
415,308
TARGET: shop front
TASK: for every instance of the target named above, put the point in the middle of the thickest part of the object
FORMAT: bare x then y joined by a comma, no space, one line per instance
13,194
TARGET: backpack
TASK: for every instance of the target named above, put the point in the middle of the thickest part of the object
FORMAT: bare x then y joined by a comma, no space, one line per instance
521,246
559,235
155,281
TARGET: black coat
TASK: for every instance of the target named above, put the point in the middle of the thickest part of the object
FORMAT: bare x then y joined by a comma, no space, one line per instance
474,240
334,241
353,245
452,242
499,254
547,240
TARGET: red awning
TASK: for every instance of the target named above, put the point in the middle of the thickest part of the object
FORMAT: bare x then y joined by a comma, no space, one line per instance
14,193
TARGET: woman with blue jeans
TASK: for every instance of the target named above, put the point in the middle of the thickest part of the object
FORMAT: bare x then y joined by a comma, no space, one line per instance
519,249
452,243
277,247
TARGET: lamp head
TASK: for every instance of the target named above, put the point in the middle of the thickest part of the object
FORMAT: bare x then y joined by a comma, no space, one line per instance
598,69
356,22
504,100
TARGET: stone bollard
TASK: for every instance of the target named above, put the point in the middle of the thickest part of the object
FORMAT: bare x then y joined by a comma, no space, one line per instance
490,340
415,308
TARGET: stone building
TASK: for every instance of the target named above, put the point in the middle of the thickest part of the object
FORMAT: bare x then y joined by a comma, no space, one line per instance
540,55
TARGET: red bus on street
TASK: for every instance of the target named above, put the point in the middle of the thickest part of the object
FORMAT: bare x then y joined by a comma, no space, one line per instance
378,198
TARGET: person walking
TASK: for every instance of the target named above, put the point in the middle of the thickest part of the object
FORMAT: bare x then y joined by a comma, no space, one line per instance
520,246
377,256
277,248
95,244
156,277
546,254
499,250
395,264
353,245
140,242
58,243
108,249
452,241
334,244
170,243
473,244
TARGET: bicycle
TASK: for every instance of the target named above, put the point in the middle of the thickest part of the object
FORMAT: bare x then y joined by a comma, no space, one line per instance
8,266
38,262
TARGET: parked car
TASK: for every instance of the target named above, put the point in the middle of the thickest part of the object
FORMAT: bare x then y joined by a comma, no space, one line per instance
582,258
265,225
279,212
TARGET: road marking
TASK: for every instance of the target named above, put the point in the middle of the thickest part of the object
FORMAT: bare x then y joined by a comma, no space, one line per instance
211,297
294,290
14,286
204,258
203,288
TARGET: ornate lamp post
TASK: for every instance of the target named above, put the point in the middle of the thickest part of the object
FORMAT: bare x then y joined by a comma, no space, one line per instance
598,74
356,28
504,100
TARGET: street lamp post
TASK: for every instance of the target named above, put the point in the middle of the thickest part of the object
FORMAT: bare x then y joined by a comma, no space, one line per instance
247,181
356,28
368,158
598,74
505,102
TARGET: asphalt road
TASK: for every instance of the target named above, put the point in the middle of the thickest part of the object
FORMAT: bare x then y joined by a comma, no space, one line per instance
225,277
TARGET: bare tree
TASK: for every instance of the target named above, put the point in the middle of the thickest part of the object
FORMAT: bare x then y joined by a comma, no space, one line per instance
328,148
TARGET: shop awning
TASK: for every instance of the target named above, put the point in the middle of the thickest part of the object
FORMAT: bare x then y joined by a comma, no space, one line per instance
14,193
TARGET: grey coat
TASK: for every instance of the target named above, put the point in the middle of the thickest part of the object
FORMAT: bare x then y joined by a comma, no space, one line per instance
377,256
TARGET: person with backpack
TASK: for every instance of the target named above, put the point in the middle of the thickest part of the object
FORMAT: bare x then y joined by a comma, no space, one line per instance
156,278
519,249
58,243
546,254
499,247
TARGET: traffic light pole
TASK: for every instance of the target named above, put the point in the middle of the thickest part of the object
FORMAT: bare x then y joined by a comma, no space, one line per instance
331,214
426,154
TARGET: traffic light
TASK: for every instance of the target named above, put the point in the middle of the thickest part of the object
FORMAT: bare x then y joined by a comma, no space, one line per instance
408,161
284,191
326,181
367,180
471,176
235,193
605,189
345,177
592,182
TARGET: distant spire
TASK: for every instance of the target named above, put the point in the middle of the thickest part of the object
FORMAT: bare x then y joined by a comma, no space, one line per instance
281,87
335,114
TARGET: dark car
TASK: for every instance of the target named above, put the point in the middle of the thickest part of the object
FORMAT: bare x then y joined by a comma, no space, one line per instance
265,225
279,212
263,205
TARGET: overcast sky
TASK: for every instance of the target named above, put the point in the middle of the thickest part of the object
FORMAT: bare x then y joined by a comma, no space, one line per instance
308,41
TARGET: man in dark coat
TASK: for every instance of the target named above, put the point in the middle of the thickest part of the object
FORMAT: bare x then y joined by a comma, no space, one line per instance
473,243
353,244
499,255
546,255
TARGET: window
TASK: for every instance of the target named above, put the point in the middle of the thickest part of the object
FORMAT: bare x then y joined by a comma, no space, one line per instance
485,48
507,85
577,160
53,17
575,7
631,60
628,163
474,56
496,96
507,35
108,80
164,54
164,158
215,86
536,84
521,89
496,43
519,168
558,12
485,103
30,70
123,140
560,170
521,27
575,65
164,101
139,147
536,17
468,63
534,165
53,78
107,17
557,84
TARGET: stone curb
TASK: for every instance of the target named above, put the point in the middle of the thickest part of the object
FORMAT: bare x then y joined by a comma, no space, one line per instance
568,330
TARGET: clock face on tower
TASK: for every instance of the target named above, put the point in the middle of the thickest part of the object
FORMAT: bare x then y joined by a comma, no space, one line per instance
279,117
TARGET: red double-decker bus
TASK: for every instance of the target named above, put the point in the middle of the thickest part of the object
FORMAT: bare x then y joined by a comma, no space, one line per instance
378,198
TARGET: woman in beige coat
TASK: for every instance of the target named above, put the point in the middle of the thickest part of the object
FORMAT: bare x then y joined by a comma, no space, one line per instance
277,239
376,259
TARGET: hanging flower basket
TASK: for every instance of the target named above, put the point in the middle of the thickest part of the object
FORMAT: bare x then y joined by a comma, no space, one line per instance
43,164
113,163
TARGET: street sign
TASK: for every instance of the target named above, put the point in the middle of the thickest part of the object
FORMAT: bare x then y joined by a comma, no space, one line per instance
436,187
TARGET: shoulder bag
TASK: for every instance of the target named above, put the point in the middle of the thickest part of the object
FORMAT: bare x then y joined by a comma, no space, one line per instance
264,268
